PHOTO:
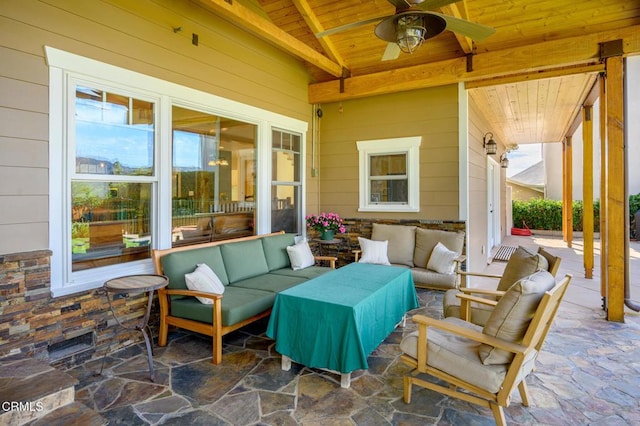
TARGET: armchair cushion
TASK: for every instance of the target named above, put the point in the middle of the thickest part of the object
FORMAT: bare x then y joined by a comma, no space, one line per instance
204,279
522,263
513,313
441,259
373,251
457,355
401,241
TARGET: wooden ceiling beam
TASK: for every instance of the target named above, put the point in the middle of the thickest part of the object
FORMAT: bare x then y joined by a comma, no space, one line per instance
466,44
256,24
589,101
316,27
572,51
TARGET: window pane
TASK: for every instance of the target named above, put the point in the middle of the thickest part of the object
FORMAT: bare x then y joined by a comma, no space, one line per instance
285,208
388,165
214,177
389,191
114,134
110,223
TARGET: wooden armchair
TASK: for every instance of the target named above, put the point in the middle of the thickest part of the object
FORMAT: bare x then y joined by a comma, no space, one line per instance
484,365
475,304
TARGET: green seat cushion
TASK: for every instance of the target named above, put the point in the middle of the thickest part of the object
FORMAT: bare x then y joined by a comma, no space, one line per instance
244,259
275,250
175,265
270,282
238,304
307,273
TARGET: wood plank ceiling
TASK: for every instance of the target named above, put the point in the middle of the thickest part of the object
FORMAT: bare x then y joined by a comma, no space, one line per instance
531,76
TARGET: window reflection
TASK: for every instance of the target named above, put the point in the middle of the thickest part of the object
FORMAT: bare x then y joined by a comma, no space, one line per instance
110,223
114,134
286,184
214,179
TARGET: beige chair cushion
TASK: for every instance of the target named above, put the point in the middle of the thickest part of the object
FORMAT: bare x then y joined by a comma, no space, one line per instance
457,356
401,240
426,240
451,307
434,279
522,263
513,313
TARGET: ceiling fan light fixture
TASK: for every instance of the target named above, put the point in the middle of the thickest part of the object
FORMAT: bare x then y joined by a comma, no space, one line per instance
410,32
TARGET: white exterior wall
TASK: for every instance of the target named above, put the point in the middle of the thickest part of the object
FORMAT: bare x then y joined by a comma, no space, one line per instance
552,152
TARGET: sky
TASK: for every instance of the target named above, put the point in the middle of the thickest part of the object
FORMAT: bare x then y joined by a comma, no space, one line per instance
524,157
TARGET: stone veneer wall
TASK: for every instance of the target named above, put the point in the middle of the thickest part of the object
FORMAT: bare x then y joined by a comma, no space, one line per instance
31,320
356,227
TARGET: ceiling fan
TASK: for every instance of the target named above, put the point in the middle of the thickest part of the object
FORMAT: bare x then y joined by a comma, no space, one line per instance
414,22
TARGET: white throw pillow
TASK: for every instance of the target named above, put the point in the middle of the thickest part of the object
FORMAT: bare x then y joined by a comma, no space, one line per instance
300,255
204,279
374,251
441,259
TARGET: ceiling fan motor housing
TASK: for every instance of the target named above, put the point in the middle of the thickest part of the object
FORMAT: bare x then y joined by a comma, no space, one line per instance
433,25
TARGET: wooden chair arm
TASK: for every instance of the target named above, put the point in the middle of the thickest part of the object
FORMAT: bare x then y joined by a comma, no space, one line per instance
477,274
486,292
331,259
186,292
356,253
424,322
476,299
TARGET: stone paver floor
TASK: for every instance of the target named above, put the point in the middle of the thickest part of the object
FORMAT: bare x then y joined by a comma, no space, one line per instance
587,374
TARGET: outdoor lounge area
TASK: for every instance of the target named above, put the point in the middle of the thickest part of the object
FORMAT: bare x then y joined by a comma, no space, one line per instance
587,373
148,149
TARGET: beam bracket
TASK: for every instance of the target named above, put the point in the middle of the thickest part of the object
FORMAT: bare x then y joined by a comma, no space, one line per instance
345,74
611,48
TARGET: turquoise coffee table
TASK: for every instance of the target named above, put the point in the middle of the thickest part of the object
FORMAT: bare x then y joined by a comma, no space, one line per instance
335,321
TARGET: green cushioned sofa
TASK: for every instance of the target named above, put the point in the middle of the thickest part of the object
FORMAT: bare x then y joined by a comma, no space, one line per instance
253,270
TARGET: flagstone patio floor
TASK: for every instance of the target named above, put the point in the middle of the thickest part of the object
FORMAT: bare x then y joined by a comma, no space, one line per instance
587,374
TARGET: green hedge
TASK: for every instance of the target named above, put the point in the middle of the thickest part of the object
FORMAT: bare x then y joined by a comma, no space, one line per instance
547,214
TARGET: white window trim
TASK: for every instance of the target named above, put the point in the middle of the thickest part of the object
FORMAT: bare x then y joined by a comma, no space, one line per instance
409,146
64,66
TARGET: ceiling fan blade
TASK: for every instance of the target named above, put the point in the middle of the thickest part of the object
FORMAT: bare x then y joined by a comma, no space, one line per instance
434,4
469,29
391,52
349,26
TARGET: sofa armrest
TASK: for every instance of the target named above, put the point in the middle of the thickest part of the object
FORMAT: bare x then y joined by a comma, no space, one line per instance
331,259
356,253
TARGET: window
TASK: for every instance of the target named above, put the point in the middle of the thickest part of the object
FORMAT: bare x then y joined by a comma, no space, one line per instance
286,186
389,175
213,177
111,189
138,163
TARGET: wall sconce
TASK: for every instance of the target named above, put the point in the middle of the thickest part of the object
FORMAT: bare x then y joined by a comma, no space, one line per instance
504,161
490,146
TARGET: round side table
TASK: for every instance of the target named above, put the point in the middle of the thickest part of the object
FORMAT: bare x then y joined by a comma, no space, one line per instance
135,284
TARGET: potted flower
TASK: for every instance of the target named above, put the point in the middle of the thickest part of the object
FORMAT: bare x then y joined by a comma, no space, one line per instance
327,224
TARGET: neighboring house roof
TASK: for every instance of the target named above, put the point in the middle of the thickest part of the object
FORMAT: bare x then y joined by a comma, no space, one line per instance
532,177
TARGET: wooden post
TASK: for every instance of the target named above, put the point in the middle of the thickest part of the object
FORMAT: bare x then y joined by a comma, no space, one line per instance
603,190
569,190
564,190
587,189
617,217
